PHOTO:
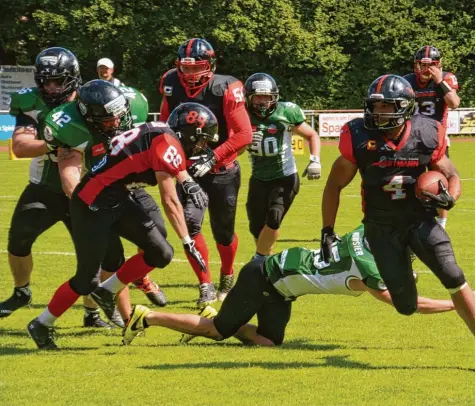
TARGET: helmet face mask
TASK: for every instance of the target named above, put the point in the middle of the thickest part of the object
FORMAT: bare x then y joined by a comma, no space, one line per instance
195,64
261,94
56,75
426,57
105,108
390,102
195,125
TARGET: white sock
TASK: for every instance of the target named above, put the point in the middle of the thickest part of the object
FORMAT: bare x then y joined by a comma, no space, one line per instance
46,318
441,221
113,284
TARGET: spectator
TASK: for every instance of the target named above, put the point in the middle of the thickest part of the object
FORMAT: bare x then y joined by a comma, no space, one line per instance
105,69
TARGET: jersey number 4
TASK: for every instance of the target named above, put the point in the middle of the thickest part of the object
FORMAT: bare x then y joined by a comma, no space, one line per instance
395,187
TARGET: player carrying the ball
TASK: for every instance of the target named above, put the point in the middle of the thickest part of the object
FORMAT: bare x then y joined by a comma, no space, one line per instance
391,148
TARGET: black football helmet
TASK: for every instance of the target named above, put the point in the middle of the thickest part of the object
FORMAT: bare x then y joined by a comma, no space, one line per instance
424,58
391,89
105,108
198,54
195,126
261,84
59,66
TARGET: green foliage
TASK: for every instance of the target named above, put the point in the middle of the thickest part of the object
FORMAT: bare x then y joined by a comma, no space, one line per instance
323,54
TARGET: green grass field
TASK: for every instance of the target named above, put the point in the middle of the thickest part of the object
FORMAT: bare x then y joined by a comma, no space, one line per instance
337,351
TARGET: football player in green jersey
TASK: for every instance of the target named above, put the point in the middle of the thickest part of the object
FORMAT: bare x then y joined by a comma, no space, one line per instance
42,203
274,181
267,287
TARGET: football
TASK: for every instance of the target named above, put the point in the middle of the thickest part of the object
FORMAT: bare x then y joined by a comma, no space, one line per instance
429,182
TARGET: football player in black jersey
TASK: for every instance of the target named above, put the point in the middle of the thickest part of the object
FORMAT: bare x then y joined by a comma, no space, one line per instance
435,92
217,172
391,147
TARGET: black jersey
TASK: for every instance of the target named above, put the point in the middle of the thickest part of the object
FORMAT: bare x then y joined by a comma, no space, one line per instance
131,163
389,170
430,97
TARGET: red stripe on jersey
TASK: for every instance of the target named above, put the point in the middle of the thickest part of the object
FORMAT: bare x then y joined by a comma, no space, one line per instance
188,51
345,144
379,86
136,163
425,94
440,150
403,140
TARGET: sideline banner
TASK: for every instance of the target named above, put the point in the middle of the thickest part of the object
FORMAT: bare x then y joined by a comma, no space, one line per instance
12,79
331,123
7,124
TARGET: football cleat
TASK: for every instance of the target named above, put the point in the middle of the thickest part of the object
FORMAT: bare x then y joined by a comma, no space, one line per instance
207,295
43,336
106,301
153,292
17,300
226,283
135,325
93,319
208,312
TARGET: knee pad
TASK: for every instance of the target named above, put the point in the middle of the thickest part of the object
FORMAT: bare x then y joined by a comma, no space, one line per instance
20,243
452,276
404,305
83,286
275,216
158,257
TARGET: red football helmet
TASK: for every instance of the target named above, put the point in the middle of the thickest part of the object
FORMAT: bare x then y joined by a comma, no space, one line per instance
195,64
424,58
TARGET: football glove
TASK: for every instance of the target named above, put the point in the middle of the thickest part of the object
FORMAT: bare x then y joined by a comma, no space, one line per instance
191,251
193,190
313,169
256,142
202,164
442,200
328,238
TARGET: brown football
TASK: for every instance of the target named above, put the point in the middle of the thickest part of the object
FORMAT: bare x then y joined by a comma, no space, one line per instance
428,182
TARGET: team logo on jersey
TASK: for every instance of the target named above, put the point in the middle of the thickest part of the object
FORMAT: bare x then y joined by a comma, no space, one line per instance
99,165
48,134
386,162
168,90
372,145
272,129
98,149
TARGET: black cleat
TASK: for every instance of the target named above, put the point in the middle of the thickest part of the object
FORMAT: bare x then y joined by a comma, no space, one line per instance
152,291
105,300
42,335
93,319
207,295
226,283
14,302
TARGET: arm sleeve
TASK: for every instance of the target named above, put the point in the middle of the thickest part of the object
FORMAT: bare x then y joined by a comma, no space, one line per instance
237,120
345,144
450,78
167,155
440,149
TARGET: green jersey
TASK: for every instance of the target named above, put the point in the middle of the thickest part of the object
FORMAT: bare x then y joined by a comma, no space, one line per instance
44,168
65,127
273,158
299,271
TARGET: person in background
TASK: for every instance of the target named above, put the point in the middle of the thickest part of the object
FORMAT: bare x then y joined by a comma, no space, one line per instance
105,68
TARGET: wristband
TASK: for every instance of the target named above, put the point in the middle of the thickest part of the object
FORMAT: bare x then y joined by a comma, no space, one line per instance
445,87
186,240
315,158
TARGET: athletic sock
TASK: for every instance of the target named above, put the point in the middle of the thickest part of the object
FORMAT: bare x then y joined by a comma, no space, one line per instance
134,268
90,310
112,284
46,318
441,221
201,246
24,290
62,300
227,256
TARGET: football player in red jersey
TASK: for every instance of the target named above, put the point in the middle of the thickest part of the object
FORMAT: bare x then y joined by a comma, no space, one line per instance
391,147
435,92
217,172
151,154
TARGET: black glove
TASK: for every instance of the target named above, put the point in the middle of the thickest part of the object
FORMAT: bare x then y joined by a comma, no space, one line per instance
190,250
202,164
196,193
442,200
328,237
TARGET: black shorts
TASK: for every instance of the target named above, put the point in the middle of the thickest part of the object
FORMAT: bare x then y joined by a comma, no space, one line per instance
390,246
222,190
37,210
254,294
269,201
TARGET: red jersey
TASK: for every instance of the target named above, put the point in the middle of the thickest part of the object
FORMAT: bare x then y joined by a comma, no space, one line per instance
132,160
223,95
